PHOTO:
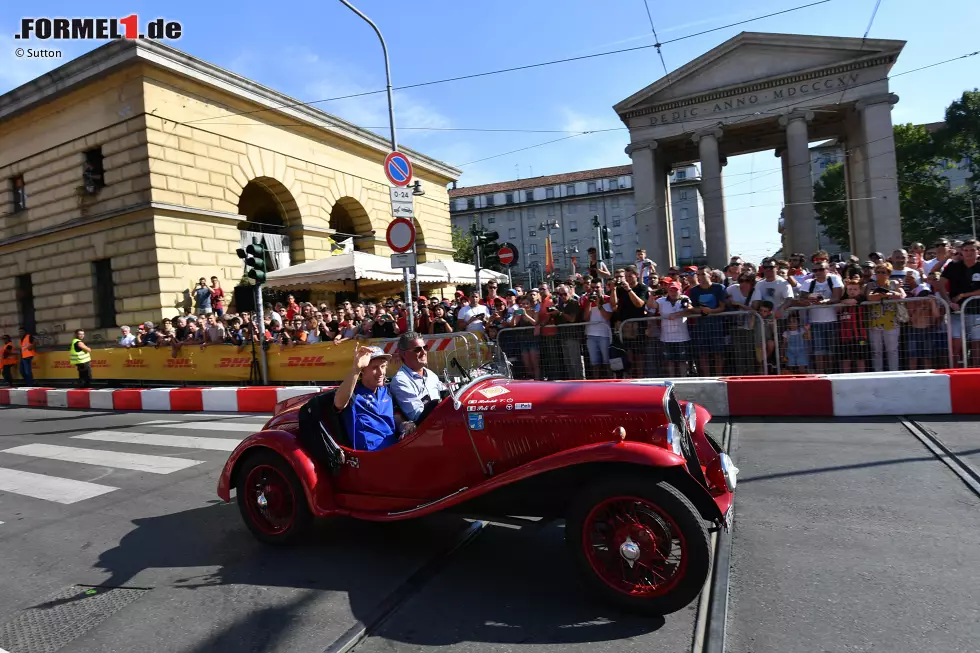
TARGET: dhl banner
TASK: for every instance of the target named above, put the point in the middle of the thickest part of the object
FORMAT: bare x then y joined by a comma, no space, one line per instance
226,364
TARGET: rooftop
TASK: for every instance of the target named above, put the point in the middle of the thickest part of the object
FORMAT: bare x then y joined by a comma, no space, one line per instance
547,180
120,53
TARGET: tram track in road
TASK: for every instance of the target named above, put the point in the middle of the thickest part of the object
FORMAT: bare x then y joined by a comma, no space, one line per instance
711,625
967,473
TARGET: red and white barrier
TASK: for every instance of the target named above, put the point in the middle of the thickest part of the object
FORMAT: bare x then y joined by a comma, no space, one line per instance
932,392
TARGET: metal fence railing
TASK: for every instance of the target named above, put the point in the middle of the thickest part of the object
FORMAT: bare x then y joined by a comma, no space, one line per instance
551,352
966,333
731,343
893,334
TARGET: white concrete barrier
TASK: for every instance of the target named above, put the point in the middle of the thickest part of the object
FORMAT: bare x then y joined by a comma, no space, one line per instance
904,393
220,400
18,397
100,399
156,399
710,393
57,398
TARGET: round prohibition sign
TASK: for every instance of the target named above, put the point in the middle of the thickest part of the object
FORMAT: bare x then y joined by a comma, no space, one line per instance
506,255
398,169
400,235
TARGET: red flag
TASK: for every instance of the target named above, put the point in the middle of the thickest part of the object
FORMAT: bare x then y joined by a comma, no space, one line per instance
549,259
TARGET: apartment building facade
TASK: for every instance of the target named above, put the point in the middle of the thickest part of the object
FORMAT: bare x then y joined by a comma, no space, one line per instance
520,210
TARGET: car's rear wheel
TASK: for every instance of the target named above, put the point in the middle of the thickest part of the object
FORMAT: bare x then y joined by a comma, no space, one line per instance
271,499
640,544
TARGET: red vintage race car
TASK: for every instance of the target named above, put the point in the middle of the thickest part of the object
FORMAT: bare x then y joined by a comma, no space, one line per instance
627,466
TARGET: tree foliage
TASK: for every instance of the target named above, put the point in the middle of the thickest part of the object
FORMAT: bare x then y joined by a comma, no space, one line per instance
463,244
929,207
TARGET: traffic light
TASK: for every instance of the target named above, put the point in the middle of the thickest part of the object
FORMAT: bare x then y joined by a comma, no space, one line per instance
254,258
607,245
486,244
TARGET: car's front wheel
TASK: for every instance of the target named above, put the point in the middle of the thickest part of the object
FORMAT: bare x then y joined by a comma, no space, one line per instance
640,544
271,499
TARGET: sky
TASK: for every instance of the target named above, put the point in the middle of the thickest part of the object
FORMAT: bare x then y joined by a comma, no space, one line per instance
320,50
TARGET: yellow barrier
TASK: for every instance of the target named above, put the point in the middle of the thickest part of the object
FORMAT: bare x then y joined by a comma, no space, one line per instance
224,363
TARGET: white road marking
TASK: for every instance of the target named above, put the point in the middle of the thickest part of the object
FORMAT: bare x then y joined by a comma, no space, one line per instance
105,458
250,427
51,488
162,440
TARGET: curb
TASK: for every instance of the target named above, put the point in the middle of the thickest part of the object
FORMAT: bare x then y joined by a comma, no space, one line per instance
926,392
231,400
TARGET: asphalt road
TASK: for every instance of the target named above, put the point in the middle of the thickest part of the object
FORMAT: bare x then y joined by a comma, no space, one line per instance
852,536
194,579
849,536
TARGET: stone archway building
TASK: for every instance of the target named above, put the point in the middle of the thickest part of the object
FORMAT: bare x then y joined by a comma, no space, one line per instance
777,92
179,180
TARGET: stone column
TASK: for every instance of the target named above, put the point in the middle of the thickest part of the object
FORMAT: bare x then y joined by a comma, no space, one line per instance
712,194
860,225
650,198
881,182
785,214
802,220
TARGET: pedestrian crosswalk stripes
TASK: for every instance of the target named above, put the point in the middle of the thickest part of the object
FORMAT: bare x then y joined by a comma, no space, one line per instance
211,444
105,458
242,427
162,440
49,488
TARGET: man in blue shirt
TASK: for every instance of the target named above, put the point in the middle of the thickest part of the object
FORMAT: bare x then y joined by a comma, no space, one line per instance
708,333
414,386
364,403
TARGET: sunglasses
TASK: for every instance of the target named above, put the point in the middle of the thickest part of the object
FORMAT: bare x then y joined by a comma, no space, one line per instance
419,349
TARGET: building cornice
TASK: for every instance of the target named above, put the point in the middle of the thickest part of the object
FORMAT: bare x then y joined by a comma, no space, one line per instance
121,53
871,62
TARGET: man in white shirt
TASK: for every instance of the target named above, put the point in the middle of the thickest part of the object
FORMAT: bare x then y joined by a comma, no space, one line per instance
673,311
472,317
644,266
773,289
900,273
127,339
820,293
942,257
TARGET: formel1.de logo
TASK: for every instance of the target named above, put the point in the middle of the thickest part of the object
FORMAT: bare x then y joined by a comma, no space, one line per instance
97,29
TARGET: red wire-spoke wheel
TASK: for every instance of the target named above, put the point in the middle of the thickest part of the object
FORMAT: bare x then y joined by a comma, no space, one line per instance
634,546
640,544
271,499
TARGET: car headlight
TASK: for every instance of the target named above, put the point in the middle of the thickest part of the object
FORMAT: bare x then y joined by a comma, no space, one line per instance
674,439
691,416
729,470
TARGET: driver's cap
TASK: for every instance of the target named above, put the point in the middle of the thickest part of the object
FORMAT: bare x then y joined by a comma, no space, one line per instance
378,352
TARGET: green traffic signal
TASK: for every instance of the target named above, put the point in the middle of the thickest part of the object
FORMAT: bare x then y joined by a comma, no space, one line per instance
254,256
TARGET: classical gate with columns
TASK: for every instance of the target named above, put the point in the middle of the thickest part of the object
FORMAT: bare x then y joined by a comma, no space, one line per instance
762,91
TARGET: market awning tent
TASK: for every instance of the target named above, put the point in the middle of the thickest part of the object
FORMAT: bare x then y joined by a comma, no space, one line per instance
354,266
461,273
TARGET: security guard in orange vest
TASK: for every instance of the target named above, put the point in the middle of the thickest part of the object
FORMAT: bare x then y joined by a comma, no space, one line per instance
27,350
81,357
9,361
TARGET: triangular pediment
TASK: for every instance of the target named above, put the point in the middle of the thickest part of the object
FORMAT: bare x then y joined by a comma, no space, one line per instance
753,57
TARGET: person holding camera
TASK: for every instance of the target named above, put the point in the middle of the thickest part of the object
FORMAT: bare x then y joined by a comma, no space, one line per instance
673,311
473,316
629,302
597,313
527,316
566,313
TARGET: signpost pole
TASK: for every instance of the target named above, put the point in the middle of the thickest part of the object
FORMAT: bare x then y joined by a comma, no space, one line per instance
410,324
260,311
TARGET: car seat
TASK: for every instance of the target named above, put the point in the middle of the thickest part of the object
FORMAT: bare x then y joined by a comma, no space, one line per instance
321,429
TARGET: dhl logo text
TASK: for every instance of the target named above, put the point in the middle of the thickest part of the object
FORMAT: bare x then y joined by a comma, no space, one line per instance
173,363
235,362
305,361
137,362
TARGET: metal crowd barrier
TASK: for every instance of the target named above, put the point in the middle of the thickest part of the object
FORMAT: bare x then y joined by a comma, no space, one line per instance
731,343
897,334
969,323
552,352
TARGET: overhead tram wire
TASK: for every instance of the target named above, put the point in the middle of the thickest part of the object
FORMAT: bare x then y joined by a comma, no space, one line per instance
660,53
871,22
511,69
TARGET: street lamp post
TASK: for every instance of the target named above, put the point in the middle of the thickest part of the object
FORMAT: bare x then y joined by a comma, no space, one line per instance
394,148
